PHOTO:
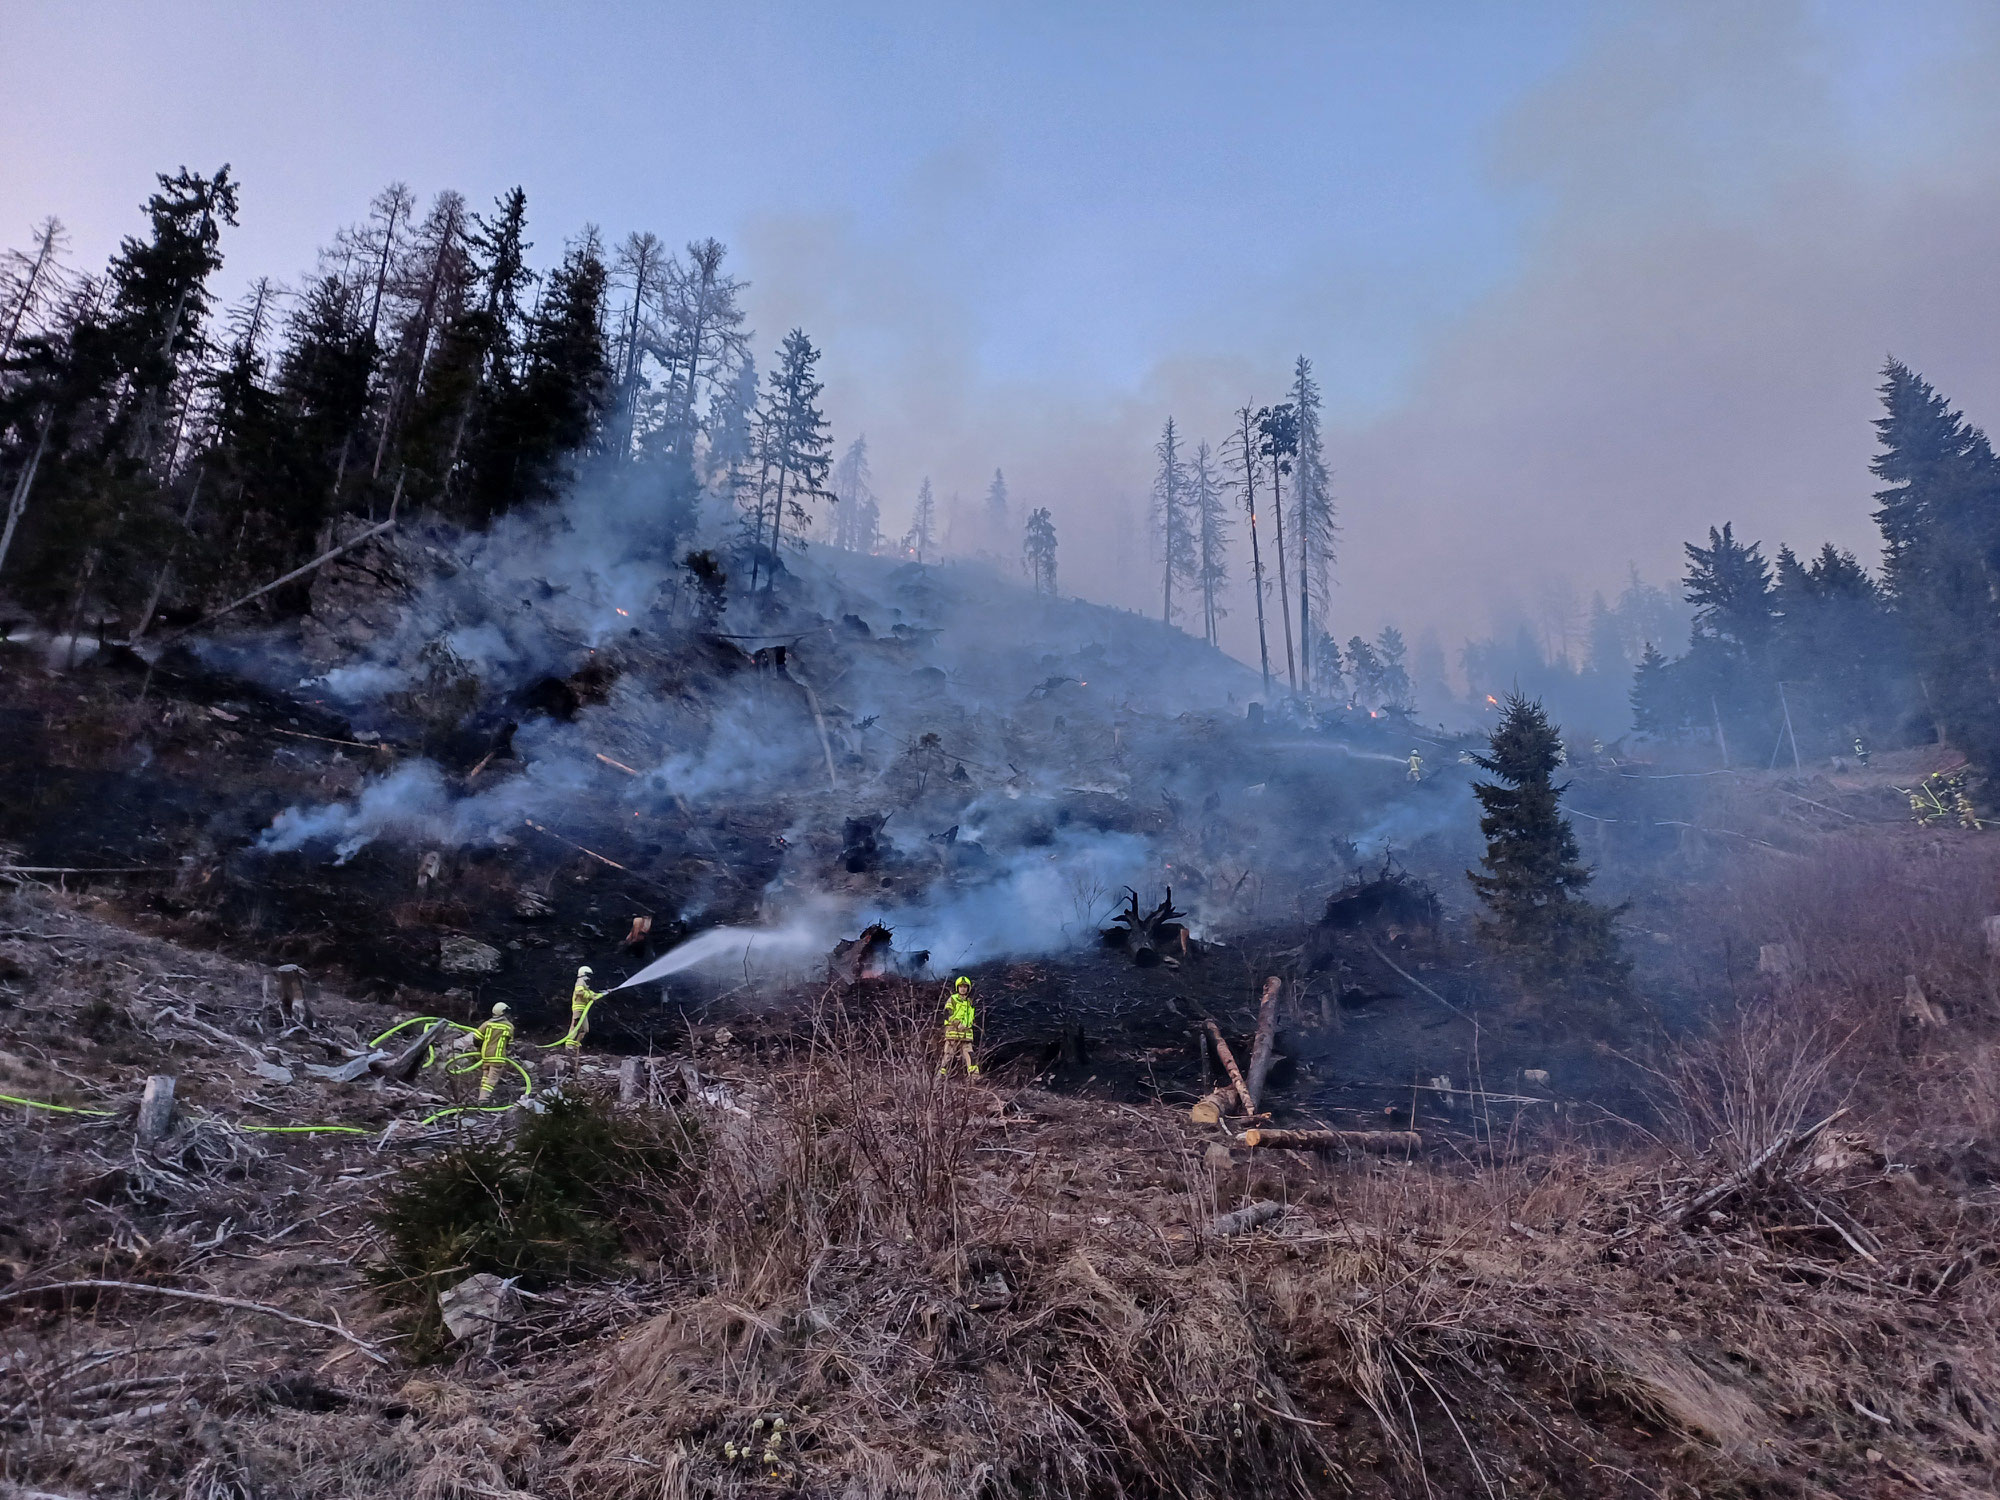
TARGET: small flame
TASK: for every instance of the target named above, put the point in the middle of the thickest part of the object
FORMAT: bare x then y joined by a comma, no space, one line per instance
1492,700
625,612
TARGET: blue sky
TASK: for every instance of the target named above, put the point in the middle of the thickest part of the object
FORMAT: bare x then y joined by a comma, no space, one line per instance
1547,256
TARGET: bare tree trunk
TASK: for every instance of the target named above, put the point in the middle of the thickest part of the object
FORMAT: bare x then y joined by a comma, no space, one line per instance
24,484
1284,594
43,253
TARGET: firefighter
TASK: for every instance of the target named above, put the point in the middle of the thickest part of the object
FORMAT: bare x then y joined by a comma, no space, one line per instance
493,1039
1860,752
1416,766
958,1018
580,1000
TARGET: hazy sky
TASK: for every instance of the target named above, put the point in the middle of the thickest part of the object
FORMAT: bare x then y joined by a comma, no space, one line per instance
1579,279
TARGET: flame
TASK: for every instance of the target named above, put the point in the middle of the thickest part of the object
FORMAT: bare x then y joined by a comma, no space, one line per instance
625,612
1492,700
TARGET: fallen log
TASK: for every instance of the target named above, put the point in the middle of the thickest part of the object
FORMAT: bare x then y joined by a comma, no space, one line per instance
1229,1065
1267,1031
318,562
1243,1220
402,1067
1380,1142
1211,1107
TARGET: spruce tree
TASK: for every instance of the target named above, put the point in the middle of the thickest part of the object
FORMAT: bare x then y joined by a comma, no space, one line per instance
1534,881
1211,524
1173,521
920,541
794,453
1312,518
1038,551
1651,697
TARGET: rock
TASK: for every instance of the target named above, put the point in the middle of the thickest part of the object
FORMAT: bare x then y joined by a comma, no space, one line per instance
273,1072
459,954
532,905
479,1306
1537,1076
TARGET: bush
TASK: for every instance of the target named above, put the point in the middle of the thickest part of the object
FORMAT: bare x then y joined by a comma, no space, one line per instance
577,1185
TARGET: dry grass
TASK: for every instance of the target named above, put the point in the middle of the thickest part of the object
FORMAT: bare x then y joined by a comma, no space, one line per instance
956,1290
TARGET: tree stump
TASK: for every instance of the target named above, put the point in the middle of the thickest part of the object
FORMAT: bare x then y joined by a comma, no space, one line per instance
156,1109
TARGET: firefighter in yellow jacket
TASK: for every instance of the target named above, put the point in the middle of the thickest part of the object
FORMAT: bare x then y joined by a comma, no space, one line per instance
493,1039
580,1000
958,1019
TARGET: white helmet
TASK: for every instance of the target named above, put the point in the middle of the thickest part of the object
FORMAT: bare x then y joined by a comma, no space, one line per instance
583,971
500,1008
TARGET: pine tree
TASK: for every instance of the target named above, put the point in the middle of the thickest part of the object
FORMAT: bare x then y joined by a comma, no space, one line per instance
1729,583
704,343
1038,551
1312,515
1534,881
1173,529
921,539
1364,672
1245,462
637,271
1211,521
1278,432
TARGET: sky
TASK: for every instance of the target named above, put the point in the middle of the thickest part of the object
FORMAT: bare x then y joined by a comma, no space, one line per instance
1578,280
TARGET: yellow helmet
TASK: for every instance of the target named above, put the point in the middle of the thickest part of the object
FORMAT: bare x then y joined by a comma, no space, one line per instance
962,983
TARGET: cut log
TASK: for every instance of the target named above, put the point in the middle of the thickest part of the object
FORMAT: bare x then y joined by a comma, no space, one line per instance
156,1109
1229,1066
1243,1220
1211,1107
1381,1142
1267,1031
403,1066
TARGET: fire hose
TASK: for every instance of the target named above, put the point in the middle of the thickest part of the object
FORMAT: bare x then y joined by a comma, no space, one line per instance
457,1067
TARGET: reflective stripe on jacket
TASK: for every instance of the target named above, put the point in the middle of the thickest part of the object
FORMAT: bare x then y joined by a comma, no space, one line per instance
582,997
958,1019
493,1039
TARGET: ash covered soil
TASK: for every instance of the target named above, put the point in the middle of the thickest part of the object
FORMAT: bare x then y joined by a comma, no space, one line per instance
473,763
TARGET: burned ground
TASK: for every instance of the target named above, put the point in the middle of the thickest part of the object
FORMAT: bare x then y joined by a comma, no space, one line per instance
1636,1247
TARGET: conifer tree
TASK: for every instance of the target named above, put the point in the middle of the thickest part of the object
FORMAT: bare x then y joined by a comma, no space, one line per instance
1173,523
1939,511
1535,878
1211,522
1245,462
1651,697
1038,551
794,452
999,512
1393,653
1278,442
1312,516
854,521
921,539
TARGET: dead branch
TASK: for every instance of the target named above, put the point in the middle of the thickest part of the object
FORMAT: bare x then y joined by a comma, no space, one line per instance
1736,1181
373,1351
1381,1142
403,1066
